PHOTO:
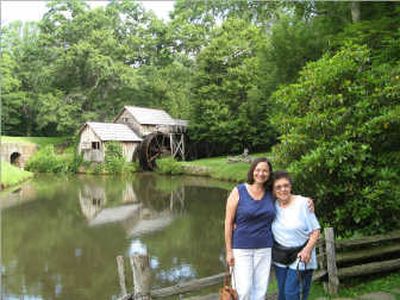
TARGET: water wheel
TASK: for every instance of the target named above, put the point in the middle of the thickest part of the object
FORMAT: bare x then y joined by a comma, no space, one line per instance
153,146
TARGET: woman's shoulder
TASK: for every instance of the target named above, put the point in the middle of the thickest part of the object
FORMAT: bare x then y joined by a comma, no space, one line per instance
239,187
300,200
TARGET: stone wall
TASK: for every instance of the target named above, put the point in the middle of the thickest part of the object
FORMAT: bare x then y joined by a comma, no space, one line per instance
17,153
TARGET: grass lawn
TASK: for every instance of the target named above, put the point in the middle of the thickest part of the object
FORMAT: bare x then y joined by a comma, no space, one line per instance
352,288
40,141
221,168
11,175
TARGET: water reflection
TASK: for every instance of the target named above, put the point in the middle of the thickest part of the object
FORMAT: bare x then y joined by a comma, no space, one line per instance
92,198
62,243
18,196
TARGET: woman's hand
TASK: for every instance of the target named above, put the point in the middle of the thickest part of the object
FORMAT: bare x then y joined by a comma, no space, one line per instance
310,205
231,206
305,255
230,260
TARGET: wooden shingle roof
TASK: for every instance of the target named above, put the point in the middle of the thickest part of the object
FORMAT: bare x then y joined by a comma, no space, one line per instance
150,116
113,132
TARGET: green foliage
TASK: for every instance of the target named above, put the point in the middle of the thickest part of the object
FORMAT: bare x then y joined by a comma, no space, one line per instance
47,161
217,63
226,110
114,160
336,123
169,166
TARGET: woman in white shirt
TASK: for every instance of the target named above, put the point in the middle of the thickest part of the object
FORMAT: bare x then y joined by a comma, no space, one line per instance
294,225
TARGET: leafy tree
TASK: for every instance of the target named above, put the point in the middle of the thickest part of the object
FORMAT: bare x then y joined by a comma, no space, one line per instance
340,130
226,110
20,85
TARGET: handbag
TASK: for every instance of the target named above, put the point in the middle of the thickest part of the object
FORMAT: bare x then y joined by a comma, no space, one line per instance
285,255
227,292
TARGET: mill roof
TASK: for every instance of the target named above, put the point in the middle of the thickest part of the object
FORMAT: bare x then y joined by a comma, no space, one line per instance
113,132
151,116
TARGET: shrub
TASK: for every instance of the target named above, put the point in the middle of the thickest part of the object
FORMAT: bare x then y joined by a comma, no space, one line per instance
169,166
114,160
340,133
47,161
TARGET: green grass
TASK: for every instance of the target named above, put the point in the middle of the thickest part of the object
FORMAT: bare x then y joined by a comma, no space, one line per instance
389,283
40,141
356,287
220,168
11,175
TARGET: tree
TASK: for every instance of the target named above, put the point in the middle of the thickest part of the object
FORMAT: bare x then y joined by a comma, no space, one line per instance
340,125
20,83
226,110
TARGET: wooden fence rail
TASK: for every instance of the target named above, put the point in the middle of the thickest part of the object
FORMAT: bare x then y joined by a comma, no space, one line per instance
336,260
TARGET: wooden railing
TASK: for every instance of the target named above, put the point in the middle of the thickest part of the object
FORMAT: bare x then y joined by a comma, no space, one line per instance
337,261
356,257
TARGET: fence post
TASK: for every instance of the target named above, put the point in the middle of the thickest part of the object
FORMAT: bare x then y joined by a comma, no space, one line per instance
141,276
121,275
333,279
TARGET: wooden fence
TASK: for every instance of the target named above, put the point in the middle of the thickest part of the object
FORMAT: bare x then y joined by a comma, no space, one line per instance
337,260
356,257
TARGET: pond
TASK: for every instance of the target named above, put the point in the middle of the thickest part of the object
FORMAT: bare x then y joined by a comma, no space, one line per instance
60,236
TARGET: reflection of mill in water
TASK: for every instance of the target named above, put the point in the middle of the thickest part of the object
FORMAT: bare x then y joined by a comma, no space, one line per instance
135,218
92,199
177,200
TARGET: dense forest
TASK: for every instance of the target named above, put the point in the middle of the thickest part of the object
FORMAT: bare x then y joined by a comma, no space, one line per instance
315,83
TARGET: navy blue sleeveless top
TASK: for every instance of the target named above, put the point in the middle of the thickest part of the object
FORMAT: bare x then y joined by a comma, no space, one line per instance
253,221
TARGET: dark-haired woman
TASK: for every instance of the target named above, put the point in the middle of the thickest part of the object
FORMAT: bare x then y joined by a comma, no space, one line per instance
294,226
248,237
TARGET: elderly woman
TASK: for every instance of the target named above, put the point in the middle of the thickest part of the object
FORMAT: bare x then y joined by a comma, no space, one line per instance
248,238
294,226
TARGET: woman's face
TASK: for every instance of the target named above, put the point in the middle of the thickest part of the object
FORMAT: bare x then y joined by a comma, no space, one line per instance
282,189
261,173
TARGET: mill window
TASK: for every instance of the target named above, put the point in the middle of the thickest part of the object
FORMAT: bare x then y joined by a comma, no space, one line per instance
96,145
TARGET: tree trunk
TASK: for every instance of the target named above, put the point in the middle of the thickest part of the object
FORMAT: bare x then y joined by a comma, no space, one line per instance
355,11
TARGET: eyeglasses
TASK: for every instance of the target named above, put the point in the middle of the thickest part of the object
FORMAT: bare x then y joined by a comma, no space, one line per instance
282,187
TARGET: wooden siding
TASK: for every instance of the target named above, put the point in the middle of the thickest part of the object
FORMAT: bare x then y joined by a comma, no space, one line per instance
85,146
128,119
97,155
142,130
128,150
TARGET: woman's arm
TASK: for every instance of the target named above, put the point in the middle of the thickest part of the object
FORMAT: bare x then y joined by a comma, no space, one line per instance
305,253
231,206
311,205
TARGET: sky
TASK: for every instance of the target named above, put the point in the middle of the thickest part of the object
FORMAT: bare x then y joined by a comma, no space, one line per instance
33,10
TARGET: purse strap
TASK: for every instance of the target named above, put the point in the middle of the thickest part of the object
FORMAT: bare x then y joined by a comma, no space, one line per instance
229,275
300,276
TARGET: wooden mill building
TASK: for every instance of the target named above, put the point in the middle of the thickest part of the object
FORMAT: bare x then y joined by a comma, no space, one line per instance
94,137
145,131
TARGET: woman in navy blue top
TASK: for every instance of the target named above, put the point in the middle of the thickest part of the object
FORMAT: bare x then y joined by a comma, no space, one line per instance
248,237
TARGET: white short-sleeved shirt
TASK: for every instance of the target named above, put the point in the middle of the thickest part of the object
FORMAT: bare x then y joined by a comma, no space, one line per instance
292,227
